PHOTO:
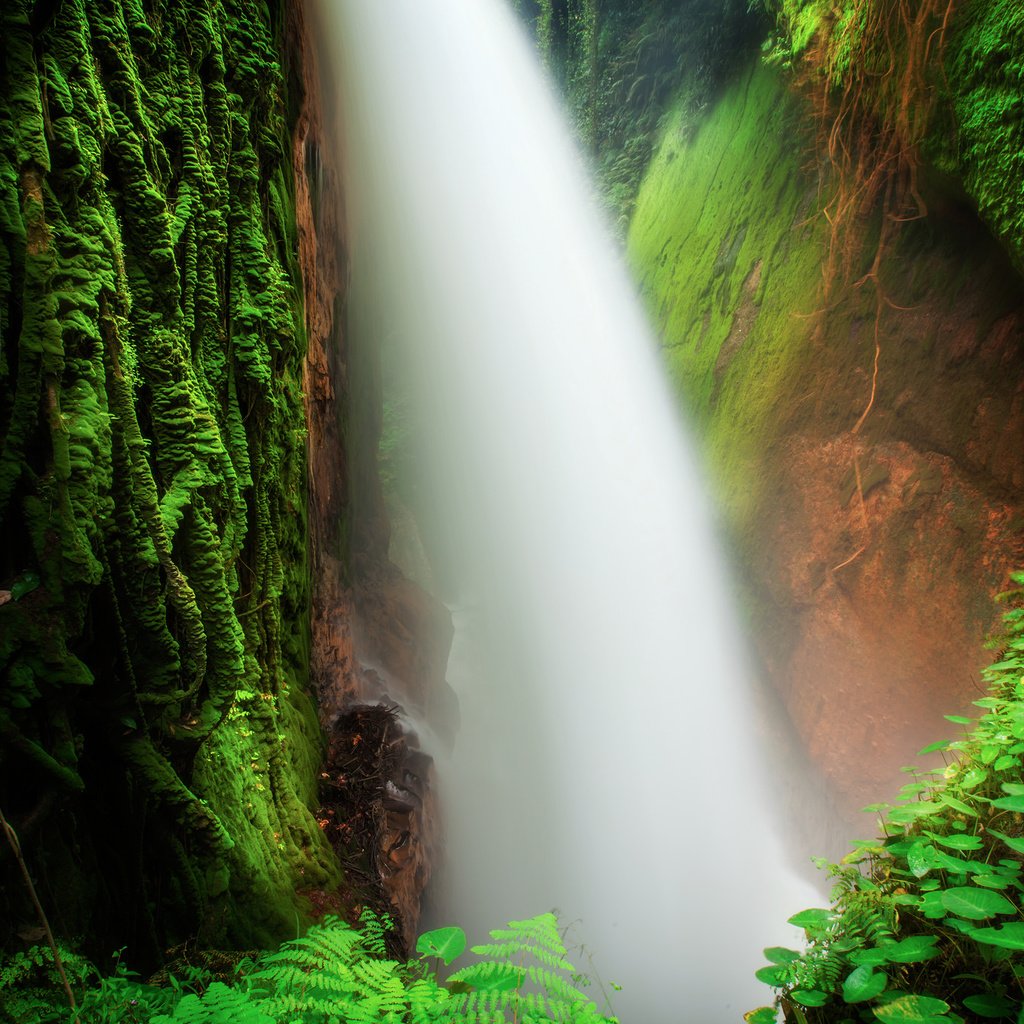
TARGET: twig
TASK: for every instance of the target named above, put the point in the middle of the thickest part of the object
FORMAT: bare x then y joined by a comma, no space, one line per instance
12,839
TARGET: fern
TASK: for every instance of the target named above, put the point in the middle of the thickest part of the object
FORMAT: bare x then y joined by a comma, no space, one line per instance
506,984
336,975
375,930
219,1004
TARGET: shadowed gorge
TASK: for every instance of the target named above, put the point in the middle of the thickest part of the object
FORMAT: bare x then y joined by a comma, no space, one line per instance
487,458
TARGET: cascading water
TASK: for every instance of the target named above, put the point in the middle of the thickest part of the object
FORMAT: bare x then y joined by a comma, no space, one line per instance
608,762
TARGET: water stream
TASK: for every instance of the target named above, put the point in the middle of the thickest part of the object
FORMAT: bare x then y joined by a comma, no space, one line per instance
609,763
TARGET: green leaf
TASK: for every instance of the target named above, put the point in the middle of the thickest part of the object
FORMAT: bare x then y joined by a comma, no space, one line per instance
975,904
28,582
958,719
910,1009
933,747
863,984
780,955
873,957
762,1015
992,881
775,975
1015,843
958,805
1007,936
1009,803
1004,762
989,752
958,842
912,789
1013,788
814,919
913,949
446,943
990,1005
931,906
920,859
808,997
958,924
973,777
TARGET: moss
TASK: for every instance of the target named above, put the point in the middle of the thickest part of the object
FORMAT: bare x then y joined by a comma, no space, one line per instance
985,70
152,471
728,244
717,238
977,133
619,64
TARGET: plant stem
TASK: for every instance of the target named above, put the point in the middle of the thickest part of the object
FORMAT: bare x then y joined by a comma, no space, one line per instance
12,839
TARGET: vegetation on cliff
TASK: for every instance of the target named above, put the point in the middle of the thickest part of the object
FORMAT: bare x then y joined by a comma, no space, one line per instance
939,79
159,747
619,65
927,922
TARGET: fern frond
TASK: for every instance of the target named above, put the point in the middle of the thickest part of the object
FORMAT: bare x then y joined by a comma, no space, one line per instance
377,975
375,929
480,1017
219,1005
555,985
491,1002
541,931
428,1002
491,975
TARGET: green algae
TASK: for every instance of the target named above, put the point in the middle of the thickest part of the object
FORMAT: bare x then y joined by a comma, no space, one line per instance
152,470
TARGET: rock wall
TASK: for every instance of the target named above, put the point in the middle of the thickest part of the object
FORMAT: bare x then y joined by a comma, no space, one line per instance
160,744
868,555
379,642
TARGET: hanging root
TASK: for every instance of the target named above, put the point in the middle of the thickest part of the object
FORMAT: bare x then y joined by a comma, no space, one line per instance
875,102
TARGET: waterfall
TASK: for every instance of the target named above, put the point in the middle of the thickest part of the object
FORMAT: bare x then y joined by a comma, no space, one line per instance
609,761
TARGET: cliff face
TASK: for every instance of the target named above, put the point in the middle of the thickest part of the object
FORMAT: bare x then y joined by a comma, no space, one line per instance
869,544
160,745
378,641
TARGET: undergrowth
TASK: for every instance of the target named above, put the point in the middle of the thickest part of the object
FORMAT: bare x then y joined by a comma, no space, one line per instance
332,974
926,923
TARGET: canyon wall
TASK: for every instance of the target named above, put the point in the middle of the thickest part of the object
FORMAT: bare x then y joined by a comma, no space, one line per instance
160,744
863,432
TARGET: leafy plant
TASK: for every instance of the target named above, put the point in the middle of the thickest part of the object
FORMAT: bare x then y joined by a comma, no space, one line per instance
508,982
335,974
926,922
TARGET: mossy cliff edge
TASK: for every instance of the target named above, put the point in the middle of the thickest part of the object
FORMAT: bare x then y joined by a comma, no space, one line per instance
159,746
870,545
823,209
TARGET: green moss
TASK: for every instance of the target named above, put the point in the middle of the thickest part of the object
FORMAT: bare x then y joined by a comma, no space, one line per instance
728,271
985,70
152,472
977,129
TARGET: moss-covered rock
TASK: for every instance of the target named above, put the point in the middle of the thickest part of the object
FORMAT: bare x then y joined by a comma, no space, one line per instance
985,72
152,476
869,601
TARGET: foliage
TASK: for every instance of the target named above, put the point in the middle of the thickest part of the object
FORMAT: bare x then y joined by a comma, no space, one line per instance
871,68
889,61
336,973
926,922
152,472
30,982
621,64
